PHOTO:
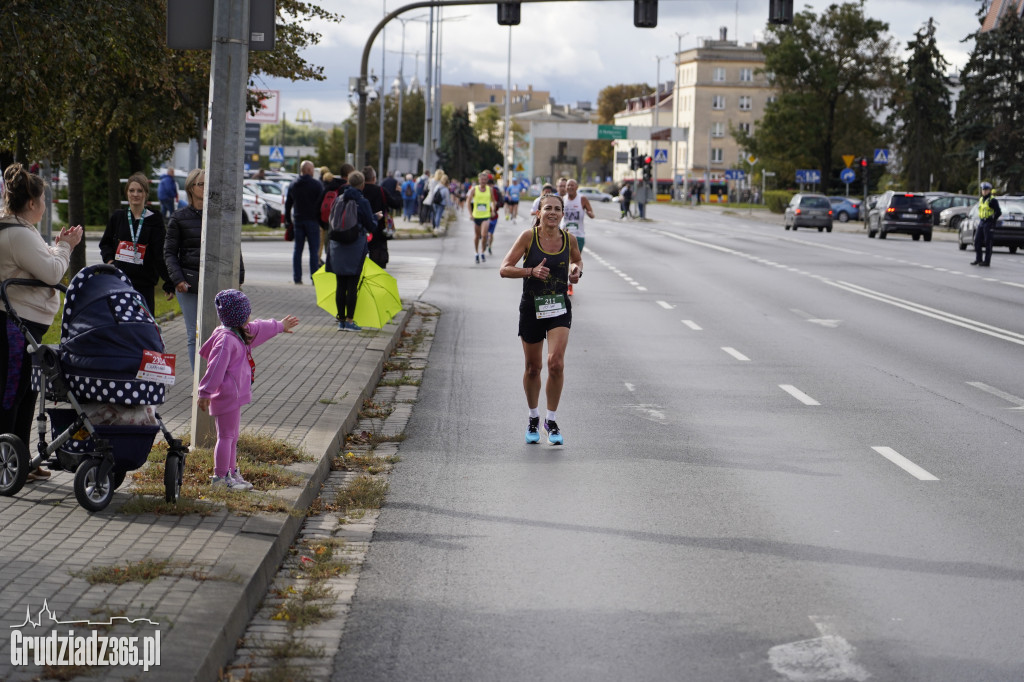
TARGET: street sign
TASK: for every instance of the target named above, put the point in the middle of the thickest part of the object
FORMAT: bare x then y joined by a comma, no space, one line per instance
277,154
268,111
881,156
660,156
752,160
734,174
848,175
769,174
848,159
612,132
808,176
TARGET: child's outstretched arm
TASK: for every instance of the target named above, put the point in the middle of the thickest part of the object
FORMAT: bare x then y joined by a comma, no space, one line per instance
289,323
264,330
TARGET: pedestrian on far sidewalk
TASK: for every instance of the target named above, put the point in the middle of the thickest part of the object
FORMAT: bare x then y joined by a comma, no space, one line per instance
408,198
346,260
551,261
988,214
381,201
302,211
230,373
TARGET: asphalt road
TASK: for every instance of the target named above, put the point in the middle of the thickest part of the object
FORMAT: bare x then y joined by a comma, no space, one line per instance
789,456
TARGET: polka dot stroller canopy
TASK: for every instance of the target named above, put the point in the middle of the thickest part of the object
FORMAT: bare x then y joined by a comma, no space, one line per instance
104,330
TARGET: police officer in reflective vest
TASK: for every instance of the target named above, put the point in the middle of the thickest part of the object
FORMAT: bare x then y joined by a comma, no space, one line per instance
988,214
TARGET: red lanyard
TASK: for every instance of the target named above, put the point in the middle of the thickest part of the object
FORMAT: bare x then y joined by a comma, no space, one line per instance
248,354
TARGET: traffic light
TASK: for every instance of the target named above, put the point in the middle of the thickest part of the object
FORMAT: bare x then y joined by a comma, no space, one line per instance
647,167
645,13
780,11
508,13
634,158
863,162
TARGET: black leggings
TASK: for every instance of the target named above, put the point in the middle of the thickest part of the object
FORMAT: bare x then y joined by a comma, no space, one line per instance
345,296
18,419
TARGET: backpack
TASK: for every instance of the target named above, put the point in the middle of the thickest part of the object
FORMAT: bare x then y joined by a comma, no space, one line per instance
407,190
438,197
327,205
344,222
498,200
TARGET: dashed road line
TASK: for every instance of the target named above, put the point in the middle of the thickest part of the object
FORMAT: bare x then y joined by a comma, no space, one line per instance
904,463
665,305
736,354
1008,397
798,394
693,325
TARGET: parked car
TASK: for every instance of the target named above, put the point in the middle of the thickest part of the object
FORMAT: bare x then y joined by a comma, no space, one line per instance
845,208
594,194
952,216
940,202
273,202
1009,229
252,210
904,212
809,210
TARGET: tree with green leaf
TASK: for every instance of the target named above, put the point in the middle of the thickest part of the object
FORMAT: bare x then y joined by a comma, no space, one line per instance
824,69
990,112
921,120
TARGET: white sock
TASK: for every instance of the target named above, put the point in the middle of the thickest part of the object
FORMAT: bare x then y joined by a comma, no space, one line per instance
534,413
551,416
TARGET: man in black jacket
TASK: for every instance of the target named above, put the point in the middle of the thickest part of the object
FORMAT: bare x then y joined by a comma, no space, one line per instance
382,201
304,198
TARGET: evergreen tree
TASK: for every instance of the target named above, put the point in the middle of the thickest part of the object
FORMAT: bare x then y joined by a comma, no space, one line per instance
921,118
990,113
461,146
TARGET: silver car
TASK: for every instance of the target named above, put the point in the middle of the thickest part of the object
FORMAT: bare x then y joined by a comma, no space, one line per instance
809,210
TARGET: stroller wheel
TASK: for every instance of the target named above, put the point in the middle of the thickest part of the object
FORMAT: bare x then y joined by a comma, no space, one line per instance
14,461
92,493
174,470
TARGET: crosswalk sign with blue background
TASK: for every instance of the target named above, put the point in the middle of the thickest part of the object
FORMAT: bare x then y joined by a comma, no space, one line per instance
660,156
277,154
882,156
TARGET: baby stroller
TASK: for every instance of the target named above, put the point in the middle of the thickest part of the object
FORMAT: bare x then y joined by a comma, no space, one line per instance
109,420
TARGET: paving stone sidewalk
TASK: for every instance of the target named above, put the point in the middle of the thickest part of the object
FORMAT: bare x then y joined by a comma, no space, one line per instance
308,391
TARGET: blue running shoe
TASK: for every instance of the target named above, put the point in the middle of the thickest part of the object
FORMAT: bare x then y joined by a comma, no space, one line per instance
554,435
533,430
353,327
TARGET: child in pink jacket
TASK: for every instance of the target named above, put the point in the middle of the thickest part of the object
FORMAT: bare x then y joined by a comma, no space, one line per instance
230,373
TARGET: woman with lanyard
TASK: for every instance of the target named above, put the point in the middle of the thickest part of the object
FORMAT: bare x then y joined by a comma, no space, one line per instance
134,242
551,262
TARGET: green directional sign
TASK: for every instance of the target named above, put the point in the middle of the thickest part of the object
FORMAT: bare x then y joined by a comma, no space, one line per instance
611,132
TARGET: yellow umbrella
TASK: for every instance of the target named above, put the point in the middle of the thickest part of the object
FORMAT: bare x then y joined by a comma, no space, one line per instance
377,300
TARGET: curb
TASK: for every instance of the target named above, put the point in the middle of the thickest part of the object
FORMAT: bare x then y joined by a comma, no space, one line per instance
212,600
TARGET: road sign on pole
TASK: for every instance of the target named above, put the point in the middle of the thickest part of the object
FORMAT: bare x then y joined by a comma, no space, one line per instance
277,154
660,156
848,159
881,156
848,175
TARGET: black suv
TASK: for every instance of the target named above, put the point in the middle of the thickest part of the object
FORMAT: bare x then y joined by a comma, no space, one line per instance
904,212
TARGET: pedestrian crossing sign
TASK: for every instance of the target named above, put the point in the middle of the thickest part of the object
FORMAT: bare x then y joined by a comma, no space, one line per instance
882,156
660,156
277,154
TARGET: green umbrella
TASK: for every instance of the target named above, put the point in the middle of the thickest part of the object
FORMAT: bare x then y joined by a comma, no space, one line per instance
377,300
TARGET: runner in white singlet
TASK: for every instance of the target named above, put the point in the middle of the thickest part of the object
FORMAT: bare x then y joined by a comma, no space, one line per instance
576,206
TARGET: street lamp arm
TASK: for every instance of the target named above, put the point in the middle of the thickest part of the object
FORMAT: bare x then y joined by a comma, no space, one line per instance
365,61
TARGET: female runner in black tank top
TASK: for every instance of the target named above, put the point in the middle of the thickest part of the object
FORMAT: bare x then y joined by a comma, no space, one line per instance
551,261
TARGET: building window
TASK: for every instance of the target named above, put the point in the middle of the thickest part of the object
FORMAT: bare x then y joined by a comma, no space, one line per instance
716,155
718,102
718,129
745,102
719,74
746,74
744,128
772,99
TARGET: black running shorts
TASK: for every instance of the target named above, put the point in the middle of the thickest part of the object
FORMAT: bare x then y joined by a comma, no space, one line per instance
533,330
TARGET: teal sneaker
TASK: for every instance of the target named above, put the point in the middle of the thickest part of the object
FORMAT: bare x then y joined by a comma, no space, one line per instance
533,430
554,435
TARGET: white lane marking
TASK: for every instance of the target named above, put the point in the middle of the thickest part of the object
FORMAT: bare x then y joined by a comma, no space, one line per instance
829,657
831,324
1008,397
736,354
904,463
630,387
650,412
641,288
666,306
798,394
692,325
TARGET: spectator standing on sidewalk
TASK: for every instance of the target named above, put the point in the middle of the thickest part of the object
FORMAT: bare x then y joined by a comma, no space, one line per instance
183,256
380,202
408,198
134,242
167,193
302,211
346,260
25,255
551,261
336,184
230,373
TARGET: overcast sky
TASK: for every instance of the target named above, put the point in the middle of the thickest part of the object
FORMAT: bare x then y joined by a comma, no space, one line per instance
572,49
